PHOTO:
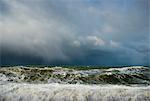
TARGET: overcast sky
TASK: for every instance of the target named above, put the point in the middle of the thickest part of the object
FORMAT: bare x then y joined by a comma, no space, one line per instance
75,32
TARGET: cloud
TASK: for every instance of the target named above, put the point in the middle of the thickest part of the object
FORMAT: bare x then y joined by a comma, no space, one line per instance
74,32
76,43
27,29
114,44
92,41
95,40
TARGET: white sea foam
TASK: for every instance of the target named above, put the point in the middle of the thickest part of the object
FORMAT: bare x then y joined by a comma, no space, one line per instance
72,92
15,87
132,69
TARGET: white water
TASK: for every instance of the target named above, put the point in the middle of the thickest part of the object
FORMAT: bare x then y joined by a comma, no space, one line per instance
72,92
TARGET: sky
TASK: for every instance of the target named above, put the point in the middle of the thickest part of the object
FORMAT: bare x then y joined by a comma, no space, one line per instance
75,32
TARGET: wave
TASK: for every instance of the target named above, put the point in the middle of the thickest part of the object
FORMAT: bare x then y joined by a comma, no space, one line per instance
71,84
125,75
72,92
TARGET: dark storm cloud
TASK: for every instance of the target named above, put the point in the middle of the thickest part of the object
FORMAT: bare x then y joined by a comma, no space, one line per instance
76,32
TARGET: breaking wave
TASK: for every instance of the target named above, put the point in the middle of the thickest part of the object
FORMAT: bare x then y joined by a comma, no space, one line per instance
68,84
72,92
126,75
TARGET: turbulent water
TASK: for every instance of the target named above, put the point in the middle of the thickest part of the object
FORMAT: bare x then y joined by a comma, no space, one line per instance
68,84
